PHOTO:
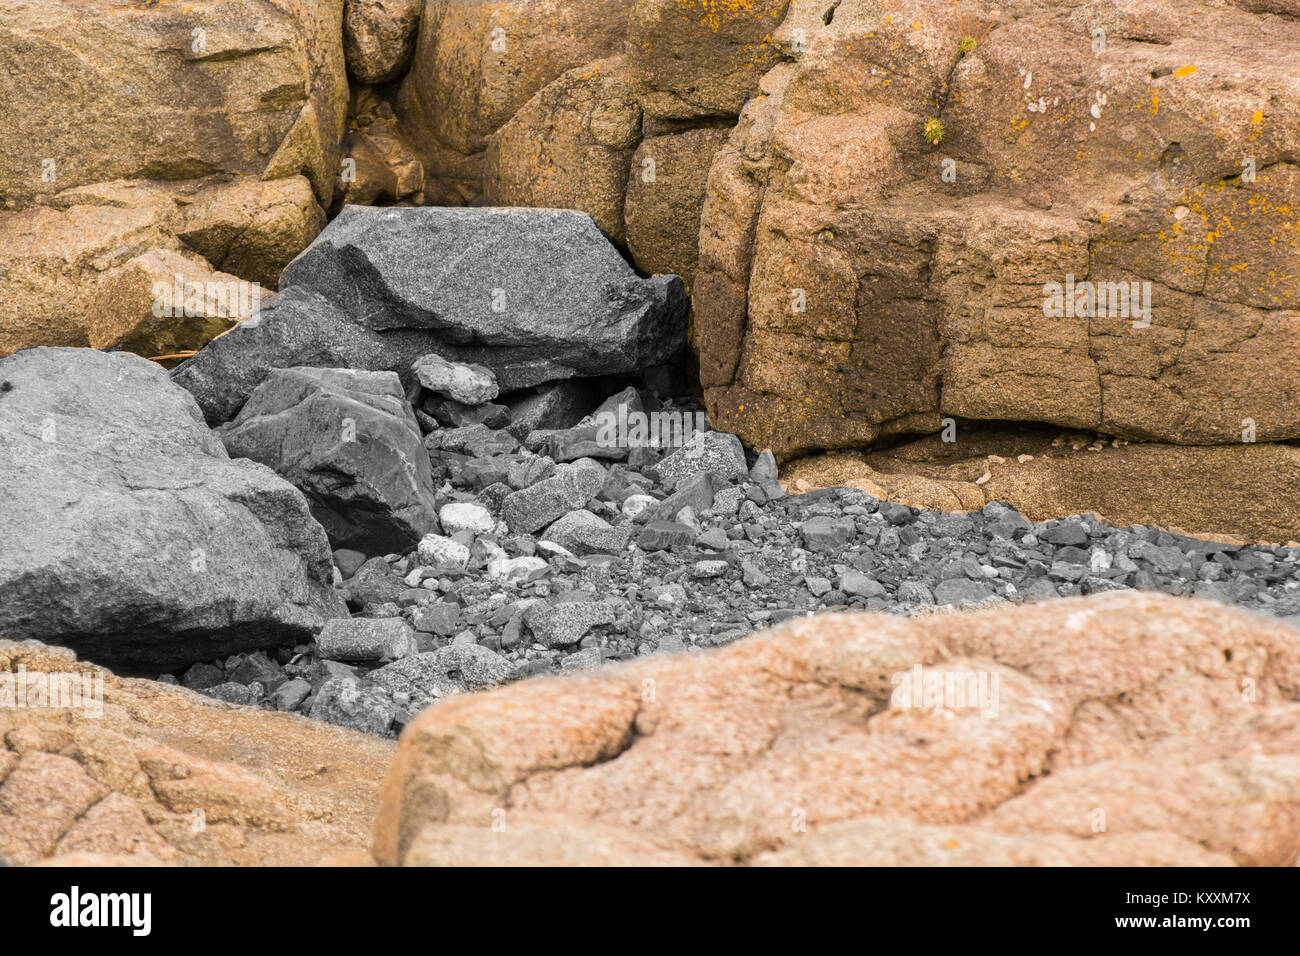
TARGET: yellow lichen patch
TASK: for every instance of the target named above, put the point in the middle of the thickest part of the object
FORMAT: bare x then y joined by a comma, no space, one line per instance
1183,71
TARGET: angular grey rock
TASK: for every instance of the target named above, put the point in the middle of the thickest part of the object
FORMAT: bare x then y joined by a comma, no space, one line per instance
961,591
365,639
424,678
561,405
661,535
231,693
582,533
860,585
349,441
290,694
461,382
536,295
536,506
374,583
130,535
825,534
350,703
564,623
716,453
451,414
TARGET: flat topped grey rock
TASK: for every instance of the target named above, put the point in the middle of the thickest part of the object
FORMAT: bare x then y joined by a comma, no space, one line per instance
535,295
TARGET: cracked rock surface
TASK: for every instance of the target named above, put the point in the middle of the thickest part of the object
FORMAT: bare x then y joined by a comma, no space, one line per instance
1124,729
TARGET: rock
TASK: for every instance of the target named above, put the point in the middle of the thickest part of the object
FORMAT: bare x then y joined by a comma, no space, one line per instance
1205,491
1073,679
536,506
717,453
231,693
448,670
582,532
659,535
698,59
665,195
959,592
365,639
592,316
799,352
453,414
133,537
348,562
164,775
385,168
713,569
569,147
859,584
354,705
124,310
374,583
560,405
349,441
468,384
475,67
460,516
828,534
379,37
442,552
291,694
281,109
564,623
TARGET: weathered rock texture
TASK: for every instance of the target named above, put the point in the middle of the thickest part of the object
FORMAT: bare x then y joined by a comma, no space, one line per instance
165,776
350,442
129,533
168,92
692,58
534,295
665,195
208,128
477,64
379,37
1129,729
848,290
569,147
1249,492
84,270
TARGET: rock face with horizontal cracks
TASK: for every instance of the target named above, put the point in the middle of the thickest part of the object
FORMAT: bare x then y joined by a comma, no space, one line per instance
260,90
130,535
857,281
1248,492
126,785
535,295
350,442
1129,705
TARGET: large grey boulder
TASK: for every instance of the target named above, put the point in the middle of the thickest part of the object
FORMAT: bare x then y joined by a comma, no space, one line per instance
349,441
130,535
535,295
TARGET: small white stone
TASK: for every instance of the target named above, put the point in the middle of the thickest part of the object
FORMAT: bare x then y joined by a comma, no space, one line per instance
466,516
438,550
633,505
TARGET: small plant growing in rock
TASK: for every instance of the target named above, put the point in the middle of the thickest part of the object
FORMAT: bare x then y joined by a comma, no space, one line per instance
933,131
968,31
